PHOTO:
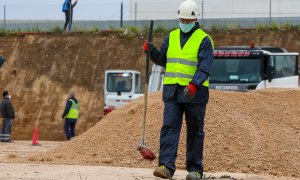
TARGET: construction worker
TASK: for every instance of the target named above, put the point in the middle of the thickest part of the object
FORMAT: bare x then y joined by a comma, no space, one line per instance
8,114
2,60
187,55
70,115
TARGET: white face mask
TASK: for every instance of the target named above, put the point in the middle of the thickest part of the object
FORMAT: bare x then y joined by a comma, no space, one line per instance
186,27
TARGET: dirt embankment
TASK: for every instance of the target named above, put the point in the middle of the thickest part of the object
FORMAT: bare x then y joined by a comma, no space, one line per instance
41,69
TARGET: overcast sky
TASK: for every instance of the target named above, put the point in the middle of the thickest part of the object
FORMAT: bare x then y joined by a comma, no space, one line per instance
149,9
51,9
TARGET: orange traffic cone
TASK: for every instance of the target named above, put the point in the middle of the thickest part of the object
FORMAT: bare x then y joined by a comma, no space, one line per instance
35,137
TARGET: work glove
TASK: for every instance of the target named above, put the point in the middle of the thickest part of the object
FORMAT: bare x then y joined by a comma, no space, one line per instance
148,47
190,90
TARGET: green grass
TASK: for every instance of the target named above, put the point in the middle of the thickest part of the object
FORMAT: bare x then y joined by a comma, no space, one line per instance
57,29
131,31
276,27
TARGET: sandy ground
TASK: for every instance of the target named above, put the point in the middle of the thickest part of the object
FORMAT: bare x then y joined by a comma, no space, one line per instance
51,171
44,171
23,148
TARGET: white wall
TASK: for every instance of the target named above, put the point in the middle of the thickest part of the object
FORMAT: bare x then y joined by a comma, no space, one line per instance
167,9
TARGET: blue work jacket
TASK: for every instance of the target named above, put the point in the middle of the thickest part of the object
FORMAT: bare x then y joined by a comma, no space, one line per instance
174,92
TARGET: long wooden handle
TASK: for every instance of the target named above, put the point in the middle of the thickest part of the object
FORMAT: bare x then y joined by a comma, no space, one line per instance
148,52
146,83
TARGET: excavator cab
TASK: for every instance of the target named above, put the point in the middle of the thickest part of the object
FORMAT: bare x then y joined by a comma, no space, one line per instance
282,70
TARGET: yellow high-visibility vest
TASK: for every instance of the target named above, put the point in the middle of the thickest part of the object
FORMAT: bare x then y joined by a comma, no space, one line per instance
73,112
182,63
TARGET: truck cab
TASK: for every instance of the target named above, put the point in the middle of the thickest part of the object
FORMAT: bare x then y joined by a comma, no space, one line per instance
121,87
241,68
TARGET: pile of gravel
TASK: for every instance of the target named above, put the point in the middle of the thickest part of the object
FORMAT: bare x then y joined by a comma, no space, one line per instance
258,132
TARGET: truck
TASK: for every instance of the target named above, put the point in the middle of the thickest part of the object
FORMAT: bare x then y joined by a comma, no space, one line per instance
121,87
234,68
242,68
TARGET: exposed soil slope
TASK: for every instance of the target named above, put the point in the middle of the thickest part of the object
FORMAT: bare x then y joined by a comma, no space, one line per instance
41,69
255,132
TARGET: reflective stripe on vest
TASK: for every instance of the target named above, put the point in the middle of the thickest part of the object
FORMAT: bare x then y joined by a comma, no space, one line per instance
73,112
182,63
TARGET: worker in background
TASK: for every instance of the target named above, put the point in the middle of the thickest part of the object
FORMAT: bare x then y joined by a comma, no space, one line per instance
68,10
70,115
187,56
2,60
8,114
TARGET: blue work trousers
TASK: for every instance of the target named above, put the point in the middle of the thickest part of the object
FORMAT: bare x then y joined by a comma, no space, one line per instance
6,130
170,133
69,128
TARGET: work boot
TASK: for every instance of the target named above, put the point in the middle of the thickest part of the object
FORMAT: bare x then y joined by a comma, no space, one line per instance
194,175
163,172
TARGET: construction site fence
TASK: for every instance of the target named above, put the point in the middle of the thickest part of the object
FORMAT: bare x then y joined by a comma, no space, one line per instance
230,23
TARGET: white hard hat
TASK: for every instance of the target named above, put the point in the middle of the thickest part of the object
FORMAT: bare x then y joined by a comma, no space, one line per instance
188,9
